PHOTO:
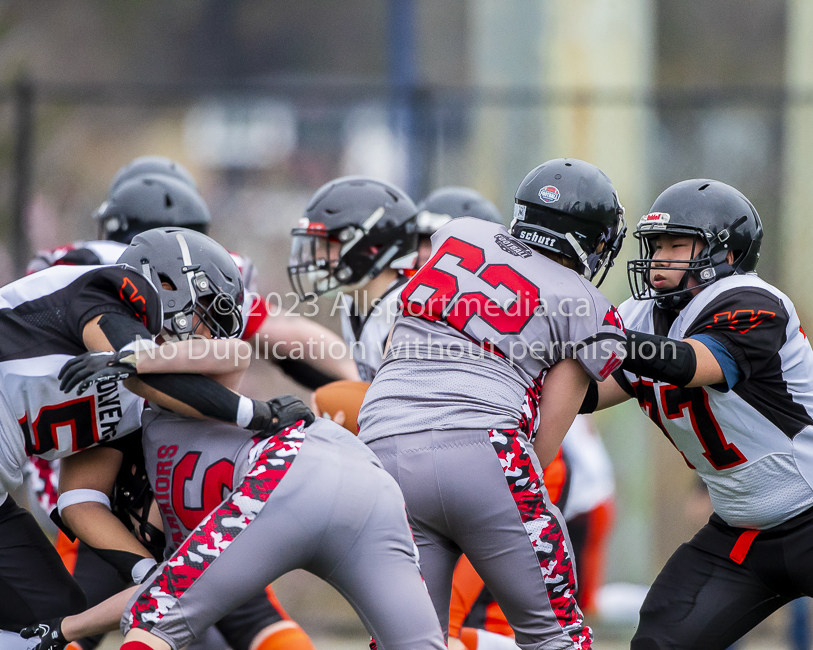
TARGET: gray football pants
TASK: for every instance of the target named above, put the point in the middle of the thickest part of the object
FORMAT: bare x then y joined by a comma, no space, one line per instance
326,506
481,493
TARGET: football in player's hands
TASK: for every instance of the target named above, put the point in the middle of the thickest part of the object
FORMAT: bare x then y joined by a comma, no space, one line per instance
341,397
90,368
49,632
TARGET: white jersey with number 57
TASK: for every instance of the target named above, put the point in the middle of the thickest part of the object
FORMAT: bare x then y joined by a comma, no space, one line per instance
752,444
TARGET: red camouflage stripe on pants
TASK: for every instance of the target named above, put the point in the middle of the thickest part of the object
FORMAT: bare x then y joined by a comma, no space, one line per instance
219,529
529,420
544,532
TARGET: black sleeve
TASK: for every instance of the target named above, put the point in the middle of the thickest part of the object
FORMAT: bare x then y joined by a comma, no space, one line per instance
115,290
749,322
622,380
303,373
121,330
205,395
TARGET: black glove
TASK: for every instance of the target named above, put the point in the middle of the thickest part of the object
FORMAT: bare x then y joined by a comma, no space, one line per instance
49,632
279,413
94,367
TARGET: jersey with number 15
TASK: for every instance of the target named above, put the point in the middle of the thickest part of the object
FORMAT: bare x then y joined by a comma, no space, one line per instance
42,318
481,323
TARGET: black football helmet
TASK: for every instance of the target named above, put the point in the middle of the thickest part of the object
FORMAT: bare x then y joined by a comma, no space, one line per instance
719,216
568,206
204,280
148,166
353,228
448,203
150,201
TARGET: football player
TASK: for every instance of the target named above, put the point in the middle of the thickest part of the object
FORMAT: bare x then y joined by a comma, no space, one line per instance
347,527
474,617
154,192
455,406
357,236
148,192
580,484
719,361
48,317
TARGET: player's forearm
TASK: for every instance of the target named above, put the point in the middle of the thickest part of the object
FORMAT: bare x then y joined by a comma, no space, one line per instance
177,398
99,528
85,484
104,617
610,393
199,355
296,336
197,396
562,394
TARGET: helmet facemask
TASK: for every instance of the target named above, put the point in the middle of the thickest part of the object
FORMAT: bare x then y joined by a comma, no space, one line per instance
314,267
323,261
204,303
706,265
602,259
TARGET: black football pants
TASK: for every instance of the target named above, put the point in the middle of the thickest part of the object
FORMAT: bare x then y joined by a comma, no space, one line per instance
34,583
704,599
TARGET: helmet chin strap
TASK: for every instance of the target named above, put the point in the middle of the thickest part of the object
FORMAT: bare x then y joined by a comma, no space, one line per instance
588,272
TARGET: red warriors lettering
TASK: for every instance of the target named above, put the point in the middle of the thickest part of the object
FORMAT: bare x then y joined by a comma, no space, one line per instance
162,490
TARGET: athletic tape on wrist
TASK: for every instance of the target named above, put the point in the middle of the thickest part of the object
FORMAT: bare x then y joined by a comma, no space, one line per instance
245,412
81,495
142,568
